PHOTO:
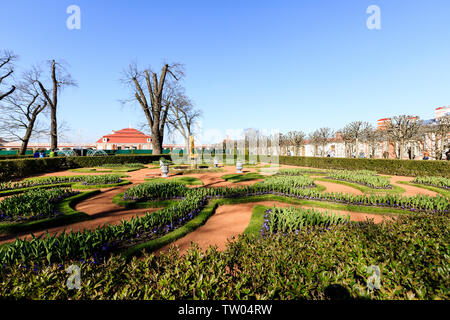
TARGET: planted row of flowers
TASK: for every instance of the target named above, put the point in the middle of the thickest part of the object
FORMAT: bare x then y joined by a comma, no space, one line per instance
156,191
101,179
286,220
299,171
423,203
34,204
43,181
364,177
439,182
299,181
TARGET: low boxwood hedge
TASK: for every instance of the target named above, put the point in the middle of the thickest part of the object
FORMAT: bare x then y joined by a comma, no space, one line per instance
383,166
19,168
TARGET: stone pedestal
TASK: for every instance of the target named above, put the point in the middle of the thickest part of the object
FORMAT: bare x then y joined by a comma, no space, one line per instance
193,163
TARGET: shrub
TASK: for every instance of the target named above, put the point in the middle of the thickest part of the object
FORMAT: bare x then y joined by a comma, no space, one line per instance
412,254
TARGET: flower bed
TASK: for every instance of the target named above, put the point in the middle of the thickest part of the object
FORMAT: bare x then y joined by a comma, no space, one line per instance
290,181
287,220
439,182
33,205
100,242
161,190
364,177
50,180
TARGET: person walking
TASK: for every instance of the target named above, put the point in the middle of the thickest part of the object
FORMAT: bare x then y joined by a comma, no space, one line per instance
36,154
52,154
42,154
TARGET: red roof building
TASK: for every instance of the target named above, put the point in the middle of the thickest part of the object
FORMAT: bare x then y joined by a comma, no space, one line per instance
125,139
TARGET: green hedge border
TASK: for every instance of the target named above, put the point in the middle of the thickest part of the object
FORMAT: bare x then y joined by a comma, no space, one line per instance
384,166
20,168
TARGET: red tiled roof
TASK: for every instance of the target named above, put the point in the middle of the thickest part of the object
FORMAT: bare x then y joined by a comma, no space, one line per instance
128,135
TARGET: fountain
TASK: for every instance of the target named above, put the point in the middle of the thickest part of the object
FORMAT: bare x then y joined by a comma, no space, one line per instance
66,153
92,153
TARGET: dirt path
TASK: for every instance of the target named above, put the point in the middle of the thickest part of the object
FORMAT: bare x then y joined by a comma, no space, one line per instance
337,187
231,220
411,190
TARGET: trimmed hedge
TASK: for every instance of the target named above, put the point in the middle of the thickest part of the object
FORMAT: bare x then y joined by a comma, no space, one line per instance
19,168
383,166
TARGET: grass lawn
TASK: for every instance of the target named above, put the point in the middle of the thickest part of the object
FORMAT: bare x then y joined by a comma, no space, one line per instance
191,181
238,177
132,204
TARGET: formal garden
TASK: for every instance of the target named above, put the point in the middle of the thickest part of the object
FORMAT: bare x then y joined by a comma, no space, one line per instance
306,228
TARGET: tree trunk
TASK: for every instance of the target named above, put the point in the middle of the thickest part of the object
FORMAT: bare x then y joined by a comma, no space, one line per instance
156,141
54,125
53,130
26,138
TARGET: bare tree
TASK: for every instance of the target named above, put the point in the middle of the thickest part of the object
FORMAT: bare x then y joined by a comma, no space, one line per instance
403,129
182,115
315,141
439,134
322,136
283,143
59,78
7,59
296,139
18,119
372,137
156,112
353,133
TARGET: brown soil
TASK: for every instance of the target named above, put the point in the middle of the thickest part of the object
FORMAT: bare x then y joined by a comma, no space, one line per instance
411,190
337,187
231,220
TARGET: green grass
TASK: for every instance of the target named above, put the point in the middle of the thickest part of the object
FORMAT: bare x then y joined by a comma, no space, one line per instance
364,189
191,181
256,221
131,204
106,169
98,186
68,215
234,178
441,191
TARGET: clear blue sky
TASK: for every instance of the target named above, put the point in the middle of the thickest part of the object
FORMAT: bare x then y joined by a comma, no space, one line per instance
249,63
